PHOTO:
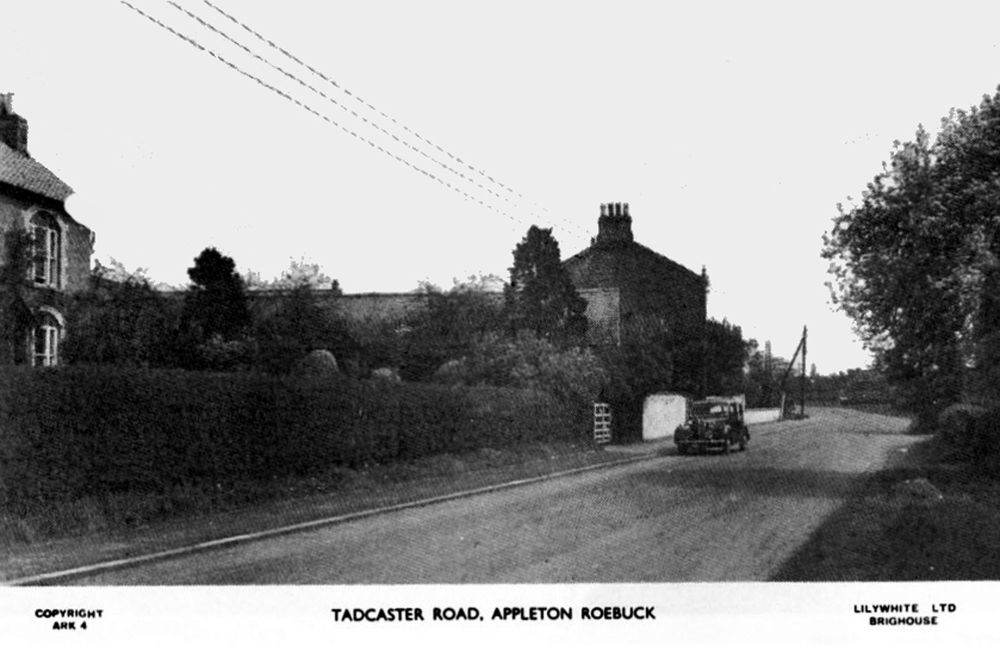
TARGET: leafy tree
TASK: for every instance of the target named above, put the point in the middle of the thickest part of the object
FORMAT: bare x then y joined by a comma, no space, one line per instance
122,319
295,326
453,322
215,317
215,303
915,262
527,361
299,273
540,297
762,383
726,354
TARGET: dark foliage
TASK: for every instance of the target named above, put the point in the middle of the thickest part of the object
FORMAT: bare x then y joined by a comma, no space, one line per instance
540,297
574,375
296,326
449,328
122,321
90,431
215,305
15,314
915,263
726,353
642,365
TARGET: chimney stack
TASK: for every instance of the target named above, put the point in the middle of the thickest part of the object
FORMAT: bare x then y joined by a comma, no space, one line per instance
614,224
13,128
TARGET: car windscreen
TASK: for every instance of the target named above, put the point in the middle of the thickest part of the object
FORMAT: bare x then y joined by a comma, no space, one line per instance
708,410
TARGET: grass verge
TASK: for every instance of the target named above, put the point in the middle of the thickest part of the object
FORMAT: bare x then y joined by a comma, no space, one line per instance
927,517
130,524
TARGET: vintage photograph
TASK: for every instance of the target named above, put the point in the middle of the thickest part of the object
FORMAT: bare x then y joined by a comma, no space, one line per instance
553,293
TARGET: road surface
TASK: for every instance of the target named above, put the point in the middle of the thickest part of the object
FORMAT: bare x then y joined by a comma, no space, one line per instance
733,517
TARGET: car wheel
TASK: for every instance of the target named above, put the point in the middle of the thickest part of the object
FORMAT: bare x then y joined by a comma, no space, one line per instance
725,447
682,449
743,443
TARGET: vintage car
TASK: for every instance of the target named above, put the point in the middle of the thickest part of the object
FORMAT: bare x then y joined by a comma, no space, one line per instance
713,424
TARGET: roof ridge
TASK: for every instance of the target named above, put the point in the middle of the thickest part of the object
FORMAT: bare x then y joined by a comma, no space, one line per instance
624,244
25,172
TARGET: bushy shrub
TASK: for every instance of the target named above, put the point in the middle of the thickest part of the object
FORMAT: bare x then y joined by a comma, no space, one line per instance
122,320
970,433
294,326
573,374
220,355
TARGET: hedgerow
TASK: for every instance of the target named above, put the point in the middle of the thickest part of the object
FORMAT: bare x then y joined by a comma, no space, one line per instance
85,431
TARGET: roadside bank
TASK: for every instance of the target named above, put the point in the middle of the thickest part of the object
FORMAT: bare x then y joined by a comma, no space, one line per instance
301,503
926,517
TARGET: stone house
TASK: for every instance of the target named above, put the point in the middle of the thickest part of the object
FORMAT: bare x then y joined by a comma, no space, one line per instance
628,286
32,200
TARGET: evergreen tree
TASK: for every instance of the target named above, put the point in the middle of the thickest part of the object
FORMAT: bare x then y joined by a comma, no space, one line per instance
216,302
540,297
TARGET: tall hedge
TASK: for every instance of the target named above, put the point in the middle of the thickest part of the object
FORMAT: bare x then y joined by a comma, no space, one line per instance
80,431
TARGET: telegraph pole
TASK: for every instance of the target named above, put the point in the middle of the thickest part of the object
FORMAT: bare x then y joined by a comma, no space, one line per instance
801,347
802,377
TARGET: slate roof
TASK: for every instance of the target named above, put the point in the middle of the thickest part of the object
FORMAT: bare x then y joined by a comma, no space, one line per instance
21,171
604,259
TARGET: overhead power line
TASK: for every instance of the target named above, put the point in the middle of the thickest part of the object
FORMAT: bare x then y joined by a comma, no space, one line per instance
315,112
371,107
343,107
358,98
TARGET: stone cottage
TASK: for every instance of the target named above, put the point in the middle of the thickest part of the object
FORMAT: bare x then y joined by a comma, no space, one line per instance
32,200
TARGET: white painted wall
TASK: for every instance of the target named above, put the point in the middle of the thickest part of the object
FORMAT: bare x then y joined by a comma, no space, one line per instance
761,415
661,414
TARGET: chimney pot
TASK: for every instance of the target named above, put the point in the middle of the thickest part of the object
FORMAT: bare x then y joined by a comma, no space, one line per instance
13,128
615,224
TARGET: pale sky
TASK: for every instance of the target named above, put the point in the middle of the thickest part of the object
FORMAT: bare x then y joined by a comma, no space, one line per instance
732,130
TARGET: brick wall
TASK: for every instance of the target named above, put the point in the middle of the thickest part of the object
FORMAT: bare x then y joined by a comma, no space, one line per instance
77,240
355,309
76,247
648,284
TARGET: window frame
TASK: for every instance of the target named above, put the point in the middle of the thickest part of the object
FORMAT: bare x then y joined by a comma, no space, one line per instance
47,334
47,247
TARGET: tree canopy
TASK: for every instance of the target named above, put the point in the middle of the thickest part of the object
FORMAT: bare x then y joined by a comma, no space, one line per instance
915,262
726,354
300,273
121,319
540,297
215,304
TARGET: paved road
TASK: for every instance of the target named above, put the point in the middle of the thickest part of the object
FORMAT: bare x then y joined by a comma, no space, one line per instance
694,518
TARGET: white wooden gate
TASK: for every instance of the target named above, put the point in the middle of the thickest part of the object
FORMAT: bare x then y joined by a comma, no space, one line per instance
602,423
